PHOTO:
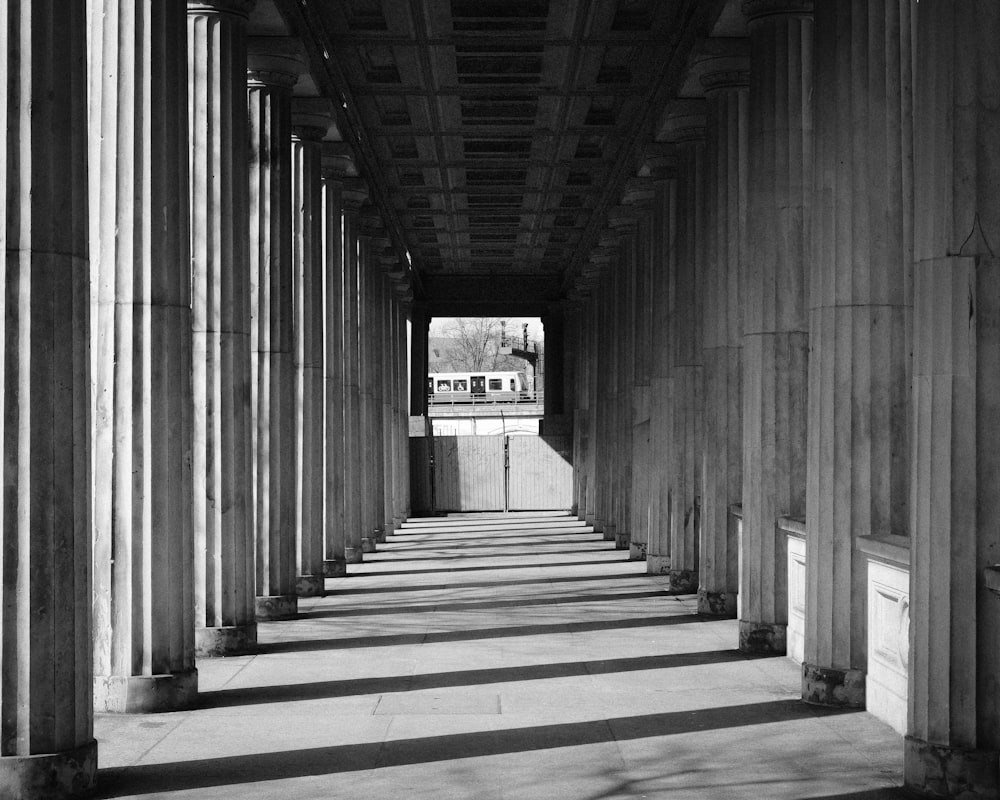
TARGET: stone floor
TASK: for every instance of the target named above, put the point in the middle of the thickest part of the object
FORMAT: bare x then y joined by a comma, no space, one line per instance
483,658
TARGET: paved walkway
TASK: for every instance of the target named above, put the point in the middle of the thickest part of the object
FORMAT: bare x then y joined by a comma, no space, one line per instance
480,658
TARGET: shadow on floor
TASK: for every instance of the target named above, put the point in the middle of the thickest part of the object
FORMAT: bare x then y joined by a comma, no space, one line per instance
484,605
209,772
473,677
391,640
431,587
536,549
543,565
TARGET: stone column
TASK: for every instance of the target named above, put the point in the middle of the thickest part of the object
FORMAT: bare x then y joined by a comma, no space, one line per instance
639,198
860,310
775,333
220,302
404,296
335,465
725,77
309,126
389,264
419,327
352,196
143,541
368,339
686,130
552,325
270,79
954,706
47,746
622,221
662,160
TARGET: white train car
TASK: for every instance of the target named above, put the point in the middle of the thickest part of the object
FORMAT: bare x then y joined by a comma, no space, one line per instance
489,386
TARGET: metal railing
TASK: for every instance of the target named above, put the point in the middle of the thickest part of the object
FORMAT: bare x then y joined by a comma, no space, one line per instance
492,399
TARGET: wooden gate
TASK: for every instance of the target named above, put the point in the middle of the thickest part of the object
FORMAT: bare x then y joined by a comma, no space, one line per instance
491,473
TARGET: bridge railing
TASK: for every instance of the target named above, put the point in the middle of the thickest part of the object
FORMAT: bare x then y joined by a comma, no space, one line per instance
491,399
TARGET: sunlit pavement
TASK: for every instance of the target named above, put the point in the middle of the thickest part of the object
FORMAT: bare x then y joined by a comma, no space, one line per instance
499,658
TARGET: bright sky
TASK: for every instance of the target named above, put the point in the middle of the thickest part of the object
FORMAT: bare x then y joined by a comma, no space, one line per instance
513,326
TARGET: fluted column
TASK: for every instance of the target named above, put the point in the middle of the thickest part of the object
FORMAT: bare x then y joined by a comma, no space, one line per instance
388,261
221,463
775,335
686,129
419,326
309,126
639,198
368,346
270,79
663,164
857,473
725,77
335,464
352,195
140,250
47,746
954,706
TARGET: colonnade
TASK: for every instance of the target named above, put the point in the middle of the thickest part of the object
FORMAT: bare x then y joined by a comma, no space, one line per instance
206,383
817,254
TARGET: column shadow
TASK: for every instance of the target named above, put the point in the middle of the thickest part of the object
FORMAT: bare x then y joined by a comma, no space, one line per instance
251,768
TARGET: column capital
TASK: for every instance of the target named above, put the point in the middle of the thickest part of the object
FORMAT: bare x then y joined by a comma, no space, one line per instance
239,8
661,158
755,9
337,163
684,121
639,193
354,194
371,220
311,117
274,61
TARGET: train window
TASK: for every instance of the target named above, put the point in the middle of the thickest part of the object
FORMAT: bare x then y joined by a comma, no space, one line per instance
496,384
444,386
460,385
512,388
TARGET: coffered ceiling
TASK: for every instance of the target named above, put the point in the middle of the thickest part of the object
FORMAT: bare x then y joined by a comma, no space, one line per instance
495,134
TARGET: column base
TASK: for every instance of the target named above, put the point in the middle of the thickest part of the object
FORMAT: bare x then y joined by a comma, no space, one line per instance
335,568
379,535
310,586
934,770
145,694
54,776
826,686
623,541
609,532
273,607
353,555
226,640
716,604
657,565
368,544
591,520
683,581
768,638
637,551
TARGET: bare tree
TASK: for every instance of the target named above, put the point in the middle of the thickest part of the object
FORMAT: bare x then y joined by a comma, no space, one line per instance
475,346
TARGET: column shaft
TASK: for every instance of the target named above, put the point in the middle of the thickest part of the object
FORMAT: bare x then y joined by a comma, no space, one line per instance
272,341
353,443
727,93
857,472
954,707
775,337
686,452
310,445
47,746
664,255
221,463
143,540
335,465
